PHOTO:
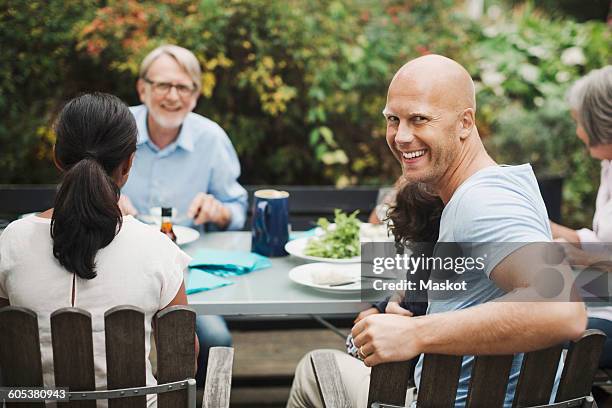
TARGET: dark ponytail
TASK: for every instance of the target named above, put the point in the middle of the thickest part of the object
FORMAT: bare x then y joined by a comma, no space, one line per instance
96,133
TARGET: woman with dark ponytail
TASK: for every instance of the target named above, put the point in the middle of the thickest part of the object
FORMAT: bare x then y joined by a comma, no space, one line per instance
83,252
95,154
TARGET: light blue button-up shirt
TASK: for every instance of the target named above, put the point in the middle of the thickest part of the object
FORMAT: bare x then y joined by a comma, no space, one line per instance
201,159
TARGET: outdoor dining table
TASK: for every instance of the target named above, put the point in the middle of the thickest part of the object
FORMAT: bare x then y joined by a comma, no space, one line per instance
266,291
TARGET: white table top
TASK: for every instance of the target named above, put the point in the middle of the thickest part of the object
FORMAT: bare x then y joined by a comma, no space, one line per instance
266,291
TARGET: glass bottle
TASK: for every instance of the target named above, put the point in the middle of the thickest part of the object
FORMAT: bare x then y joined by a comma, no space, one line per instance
166,223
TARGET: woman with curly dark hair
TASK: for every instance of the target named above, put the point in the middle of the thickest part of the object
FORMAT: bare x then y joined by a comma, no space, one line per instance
413,218
415,224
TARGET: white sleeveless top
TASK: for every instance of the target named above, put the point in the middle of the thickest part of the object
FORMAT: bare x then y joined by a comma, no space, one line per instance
140,267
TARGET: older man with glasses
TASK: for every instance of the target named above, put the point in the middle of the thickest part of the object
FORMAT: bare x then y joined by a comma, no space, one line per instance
184,161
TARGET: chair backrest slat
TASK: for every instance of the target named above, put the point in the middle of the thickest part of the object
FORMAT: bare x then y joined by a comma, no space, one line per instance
580,366
331,388
125,353
175,340
20,351
489,380
537,377
389,382
73,352
217,392
439,381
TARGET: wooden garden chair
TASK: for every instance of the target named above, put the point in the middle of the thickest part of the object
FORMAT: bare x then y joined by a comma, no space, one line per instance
440,375
71,332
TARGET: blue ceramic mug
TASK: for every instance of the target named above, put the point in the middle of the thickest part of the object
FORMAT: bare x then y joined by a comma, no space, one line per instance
270,229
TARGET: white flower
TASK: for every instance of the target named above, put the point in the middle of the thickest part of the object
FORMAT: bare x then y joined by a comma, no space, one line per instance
493,78
573,56
490,32
538,51
538,101
530,73
562,76
487,65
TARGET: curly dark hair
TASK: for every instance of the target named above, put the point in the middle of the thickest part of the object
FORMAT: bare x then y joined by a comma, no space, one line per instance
416,215
415,223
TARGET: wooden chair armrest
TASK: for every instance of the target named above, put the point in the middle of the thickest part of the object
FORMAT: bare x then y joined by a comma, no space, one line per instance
582,402
218,378
329,380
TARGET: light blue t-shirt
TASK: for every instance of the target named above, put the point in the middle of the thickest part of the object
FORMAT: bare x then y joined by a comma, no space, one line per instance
498,205
201,159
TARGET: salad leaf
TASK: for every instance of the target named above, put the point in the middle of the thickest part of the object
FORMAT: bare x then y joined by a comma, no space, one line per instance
338,241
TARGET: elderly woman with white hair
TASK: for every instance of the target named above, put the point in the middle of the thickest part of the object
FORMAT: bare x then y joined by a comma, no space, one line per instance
590,100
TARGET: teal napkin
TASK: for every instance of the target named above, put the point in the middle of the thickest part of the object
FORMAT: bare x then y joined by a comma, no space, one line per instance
228,263
200,281
301,234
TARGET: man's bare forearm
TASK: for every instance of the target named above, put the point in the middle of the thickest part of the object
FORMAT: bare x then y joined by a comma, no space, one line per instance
500,327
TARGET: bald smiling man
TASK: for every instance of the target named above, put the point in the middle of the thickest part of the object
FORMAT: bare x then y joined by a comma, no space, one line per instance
431,131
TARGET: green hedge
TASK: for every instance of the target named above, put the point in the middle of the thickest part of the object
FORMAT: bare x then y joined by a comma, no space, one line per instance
300,85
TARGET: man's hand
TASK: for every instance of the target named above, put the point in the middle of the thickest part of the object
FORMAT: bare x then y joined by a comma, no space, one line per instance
126,206
392,307
365,313
206,208
382,338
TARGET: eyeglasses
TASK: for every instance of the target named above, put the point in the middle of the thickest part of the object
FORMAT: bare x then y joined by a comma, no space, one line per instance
162,88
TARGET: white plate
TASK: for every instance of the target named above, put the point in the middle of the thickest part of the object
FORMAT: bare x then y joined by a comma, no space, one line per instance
297,247
374,233
303,275
184,235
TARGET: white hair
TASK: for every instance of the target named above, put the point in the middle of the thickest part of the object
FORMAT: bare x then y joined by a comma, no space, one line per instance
182,56
591,98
